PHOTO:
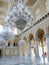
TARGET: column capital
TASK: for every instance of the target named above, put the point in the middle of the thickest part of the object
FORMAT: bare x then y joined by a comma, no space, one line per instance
46,35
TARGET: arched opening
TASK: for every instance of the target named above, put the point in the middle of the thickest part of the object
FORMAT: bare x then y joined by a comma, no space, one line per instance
31,38
25,46
45,46
40,33
41,42
0,52
25,39
3,43
21,47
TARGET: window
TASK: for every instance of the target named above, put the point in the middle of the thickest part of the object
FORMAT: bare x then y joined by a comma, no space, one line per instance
47,5
15,31
37,14
1,28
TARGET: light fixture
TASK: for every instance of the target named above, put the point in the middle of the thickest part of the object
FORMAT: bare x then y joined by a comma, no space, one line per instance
15,31
2,42
20,15
21,42
1,28
7,33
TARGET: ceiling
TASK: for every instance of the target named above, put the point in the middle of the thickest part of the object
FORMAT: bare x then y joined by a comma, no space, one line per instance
6,5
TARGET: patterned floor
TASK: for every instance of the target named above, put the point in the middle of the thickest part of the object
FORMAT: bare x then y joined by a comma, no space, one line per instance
16,60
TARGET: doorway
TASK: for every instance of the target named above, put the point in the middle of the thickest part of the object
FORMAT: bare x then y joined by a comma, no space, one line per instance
0,53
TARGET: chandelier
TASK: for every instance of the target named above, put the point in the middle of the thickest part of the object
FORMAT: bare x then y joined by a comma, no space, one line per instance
7,33
21,42
20,15
3,42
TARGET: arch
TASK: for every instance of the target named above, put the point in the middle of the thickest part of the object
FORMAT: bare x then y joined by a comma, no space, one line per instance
26,45
40,33
25,38
41,41
31,36
31,39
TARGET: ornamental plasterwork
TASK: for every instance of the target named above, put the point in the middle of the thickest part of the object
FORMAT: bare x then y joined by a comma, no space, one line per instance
21,16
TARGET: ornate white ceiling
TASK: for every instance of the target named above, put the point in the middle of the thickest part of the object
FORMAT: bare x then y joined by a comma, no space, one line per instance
20,15
6,6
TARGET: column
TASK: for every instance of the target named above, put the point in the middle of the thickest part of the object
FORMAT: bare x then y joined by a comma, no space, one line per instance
3,51
46,35
20,53
29,48
18,50
29,58
47,42
23,51
36,47
42,47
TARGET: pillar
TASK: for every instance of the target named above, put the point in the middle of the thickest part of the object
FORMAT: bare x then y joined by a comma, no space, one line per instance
42,47
23,51
29,48
29,52
36,47
3,51
46,35
18,50
47,42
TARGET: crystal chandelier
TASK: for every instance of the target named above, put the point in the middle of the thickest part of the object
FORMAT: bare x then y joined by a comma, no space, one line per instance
7,33
20,15
1,42
21,42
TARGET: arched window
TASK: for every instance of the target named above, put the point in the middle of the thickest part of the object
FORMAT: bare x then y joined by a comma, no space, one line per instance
47,5
1,28
37,14
15,31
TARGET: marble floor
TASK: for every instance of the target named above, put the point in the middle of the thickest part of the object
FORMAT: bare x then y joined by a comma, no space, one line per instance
19,60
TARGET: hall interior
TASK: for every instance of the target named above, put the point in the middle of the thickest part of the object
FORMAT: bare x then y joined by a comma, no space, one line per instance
24,32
